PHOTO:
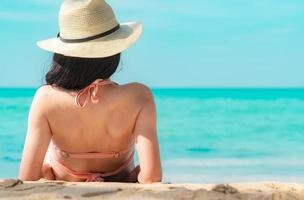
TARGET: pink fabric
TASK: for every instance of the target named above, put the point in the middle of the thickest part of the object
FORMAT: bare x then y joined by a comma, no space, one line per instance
90,92
81,100
91,155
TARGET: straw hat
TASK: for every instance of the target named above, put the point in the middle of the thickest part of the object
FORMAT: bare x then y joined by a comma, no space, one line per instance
89,29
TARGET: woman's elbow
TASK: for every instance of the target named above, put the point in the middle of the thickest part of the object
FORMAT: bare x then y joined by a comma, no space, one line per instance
150,177
22,178
28,177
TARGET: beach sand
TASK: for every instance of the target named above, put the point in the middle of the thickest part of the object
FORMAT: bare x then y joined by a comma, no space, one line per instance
44,190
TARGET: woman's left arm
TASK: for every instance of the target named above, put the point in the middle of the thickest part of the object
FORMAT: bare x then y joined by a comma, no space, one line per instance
37,139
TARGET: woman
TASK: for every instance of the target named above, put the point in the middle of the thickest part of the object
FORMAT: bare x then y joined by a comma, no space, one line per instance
82,126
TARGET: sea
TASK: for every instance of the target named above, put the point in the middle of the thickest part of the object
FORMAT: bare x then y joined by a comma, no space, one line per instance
208,135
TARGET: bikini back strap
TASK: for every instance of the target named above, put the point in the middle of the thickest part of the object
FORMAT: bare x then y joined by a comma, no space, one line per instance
92,155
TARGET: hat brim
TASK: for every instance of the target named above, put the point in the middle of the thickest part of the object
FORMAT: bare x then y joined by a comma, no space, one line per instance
107,46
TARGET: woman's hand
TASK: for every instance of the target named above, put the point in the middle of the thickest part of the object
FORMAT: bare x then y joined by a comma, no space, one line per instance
47,172
132,177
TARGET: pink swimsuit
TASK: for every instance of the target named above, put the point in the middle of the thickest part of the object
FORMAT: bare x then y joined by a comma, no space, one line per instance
81,100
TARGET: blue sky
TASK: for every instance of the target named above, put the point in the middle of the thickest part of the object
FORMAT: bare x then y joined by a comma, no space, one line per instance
194,43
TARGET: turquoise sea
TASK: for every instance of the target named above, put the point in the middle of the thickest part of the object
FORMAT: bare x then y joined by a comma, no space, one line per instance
206,135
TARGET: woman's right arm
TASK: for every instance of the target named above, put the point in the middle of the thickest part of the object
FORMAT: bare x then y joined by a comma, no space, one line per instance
146,139
37,139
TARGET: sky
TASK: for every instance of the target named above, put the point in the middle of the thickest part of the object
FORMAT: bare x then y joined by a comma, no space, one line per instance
193,43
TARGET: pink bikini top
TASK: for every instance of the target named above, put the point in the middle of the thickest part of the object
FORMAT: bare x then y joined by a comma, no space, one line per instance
81,100
90,176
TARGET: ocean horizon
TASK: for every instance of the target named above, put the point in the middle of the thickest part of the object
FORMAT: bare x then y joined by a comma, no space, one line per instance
206,134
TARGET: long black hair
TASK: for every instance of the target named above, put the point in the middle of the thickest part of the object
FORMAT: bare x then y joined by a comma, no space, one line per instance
73,73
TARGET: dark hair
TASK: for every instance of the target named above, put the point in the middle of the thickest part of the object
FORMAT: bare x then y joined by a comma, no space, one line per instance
73,73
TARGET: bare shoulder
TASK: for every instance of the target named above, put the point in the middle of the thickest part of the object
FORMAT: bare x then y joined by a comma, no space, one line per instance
42,97
43,92
138,91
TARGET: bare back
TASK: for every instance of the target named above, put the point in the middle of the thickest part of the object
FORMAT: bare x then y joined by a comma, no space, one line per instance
107,125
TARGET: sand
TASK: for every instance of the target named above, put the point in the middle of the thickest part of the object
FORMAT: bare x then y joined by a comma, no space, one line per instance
44,190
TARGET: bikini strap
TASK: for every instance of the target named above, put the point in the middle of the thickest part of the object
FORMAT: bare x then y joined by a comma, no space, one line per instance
92,155
90,92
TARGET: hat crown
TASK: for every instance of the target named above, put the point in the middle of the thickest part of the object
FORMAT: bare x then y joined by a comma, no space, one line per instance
85,18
